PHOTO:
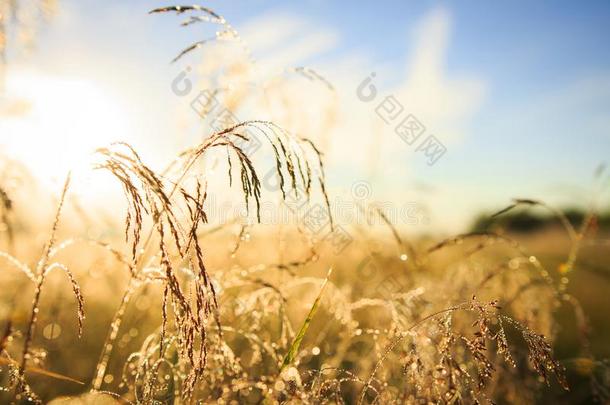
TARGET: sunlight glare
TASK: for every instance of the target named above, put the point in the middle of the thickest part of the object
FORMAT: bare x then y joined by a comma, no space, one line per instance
55,123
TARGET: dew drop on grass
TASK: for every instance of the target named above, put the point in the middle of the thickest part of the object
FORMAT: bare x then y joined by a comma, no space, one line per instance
51,331
403,257
315,351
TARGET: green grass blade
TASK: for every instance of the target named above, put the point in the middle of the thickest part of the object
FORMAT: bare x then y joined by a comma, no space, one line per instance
296,343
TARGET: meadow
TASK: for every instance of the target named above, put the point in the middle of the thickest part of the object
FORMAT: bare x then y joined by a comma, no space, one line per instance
164,303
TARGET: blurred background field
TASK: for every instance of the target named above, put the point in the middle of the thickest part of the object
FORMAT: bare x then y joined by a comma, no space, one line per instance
371,267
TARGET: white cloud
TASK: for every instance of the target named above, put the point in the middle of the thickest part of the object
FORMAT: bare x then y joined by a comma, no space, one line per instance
270,30
360,145
445,104
283,40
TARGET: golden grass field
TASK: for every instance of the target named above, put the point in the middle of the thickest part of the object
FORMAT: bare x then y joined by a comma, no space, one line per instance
377,312
158,302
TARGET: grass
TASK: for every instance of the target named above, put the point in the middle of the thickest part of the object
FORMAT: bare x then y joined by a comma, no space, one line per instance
182,311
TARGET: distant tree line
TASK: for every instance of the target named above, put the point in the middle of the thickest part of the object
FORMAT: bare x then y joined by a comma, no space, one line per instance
525,221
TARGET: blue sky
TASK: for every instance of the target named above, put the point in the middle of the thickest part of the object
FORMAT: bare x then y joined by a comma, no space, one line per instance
535,116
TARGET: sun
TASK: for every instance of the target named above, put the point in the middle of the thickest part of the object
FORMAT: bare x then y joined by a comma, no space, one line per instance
54,123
